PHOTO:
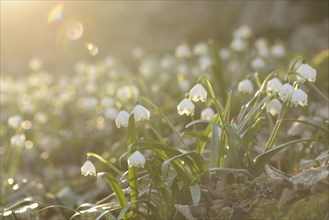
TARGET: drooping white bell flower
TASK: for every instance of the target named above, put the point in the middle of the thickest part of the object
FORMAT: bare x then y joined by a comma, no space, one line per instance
111,113
307,72
182,51
14,121
185,107
18,140
243,31
257,63
141,113
238,44
122,119
273,85
198,93
200,49
274,107
246,86
299,97
207,114
88,168
136,160
278,50
286,91
224,53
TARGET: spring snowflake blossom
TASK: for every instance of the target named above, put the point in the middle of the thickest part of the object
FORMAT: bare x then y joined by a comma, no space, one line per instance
200,49
278,50
18,140
198,93
122,119
286,91
185,107
246,86
257,63
88,168
182,51
306,72
299,97
141,113
207,114
14,121
274,107
238,44
274,85
136,159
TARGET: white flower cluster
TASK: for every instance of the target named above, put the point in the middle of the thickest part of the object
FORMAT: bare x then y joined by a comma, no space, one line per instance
140,113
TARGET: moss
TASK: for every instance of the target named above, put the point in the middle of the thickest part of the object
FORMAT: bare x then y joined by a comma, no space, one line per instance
315,207
263,210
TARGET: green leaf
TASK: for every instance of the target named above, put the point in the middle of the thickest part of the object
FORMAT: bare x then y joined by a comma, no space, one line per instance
196,194
264,158
101,159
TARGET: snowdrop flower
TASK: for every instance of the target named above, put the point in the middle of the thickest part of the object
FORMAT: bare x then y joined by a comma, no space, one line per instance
141,113
122,119
273,85
243,31
185,107
286,91
14,121
307,72
246,86
182,51
200,49
17,140
299,97
107,101
198,93
224,53
205,62
207,114
257,63
111,113
238,44
274,107
278,50
88,168
136,159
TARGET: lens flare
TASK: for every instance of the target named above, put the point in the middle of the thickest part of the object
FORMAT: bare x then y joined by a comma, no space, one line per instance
74,30
56,13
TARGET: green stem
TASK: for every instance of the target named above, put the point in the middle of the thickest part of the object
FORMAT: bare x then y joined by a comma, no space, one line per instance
277,126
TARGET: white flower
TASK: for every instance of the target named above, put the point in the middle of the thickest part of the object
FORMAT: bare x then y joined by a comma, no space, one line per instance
88,168
122,119
207,114
307,72
198,93
17,140
41,117
107,101
141,113
273,85
299,97
14,121
200,49
238,44
136,159
246,86
205,62
278,50
257,63
185,107
286,91
182,51
243,31
262,48
111,113
274,107
224,53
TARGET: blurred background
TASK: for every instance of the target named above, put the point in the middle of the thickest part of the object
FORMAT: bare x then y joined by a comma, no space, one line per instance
37,28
